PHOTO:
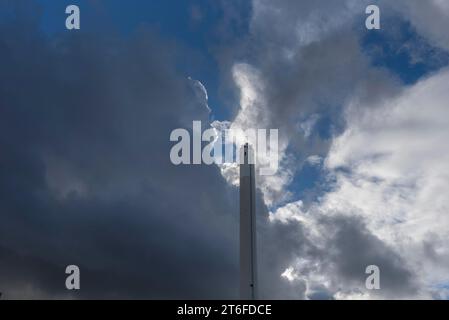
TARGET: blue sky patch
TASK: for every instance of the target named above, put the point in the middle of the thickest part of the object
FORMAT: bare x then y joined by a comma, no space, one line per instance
398,48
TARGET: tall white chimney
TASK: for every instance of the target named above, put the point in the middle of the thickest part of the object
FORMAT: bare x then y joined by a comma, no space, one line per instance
248,262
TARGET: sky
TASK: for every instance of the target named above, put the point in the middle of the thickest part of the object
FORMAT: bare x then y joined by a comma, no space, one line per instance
85,171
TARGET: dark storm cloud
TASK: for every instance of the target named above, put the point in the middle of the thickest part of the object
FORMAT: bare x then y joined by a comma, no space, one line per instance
85,174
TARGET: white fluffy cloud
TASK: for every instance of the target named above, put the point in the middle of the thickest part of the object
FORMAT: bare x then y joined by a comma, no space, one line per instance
391,167
399,173
388,171
253,114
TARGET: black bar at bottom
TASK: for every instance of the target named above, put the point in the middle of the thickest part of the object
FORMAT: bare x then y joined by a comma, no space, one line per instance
223,309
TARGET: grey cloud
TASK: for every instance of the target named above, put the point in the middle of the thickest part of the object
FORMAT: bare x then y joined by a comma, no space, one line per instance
352,248
315,77
429,18
278,245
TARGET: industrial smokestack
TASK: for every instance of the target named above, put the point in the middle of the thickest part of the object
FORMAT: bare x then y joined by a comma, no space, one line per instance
248,262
